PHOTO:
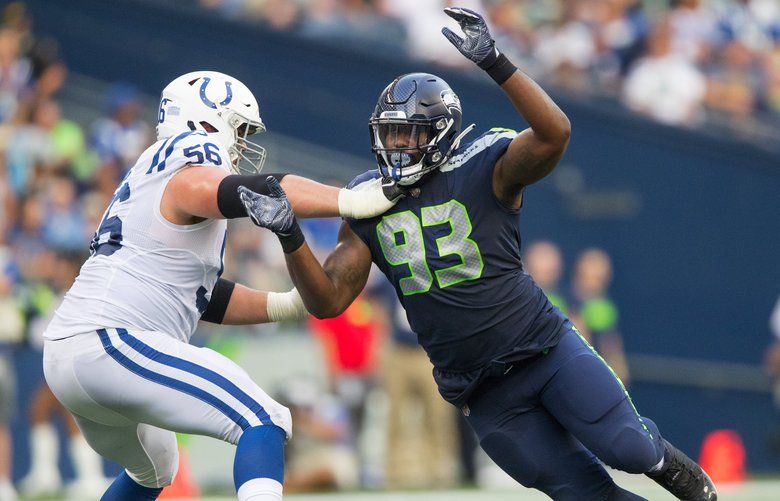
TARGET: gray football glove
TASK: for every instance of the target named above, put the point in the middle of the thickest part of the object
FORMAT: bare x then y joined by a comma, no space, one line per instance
478,45
272,212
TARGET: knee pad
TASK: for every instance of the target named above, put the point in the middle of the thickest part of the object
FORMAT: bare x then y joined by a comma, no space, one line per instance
283,419
633,451
167,467
161,470
280,416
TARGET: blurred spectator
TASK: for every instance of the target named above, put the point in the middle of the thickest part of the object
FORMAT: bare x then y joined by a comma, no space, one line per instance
120,136
734,84
322,455
11,333
31,150
566,50
621,33
753,23
280,14
544,263
350,342
513,31
692,29
423,22
594,313
664,85
64,227
654,54
15,72
44,478
421,432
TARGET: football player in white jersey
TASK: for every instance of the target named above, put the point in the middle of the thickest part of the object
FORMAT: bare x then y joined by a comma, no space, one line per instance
117,352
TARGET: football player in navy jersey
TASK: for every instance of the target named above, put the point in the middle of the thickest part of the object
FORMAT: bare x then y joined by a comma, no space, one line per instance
546,407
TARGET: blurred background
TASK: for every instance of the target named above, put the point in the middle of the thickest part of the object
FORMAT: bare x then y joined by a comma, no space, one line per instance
659,232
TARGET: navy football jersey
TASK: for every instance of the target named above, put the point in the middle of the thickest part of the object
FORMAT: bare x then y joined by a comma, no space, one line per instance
453,255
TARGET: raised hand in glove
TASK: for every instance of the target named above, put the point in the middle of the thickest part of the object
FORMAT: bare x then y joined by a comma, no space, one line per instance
273,212
478,45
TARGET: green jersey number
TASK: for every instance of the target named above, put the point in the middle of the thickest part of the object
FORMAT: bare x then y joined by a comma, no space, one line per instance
401,237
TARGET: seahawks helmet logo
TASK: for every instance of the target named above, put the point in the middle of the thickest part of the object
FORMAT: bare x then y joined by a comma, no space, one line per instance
208,102
450,99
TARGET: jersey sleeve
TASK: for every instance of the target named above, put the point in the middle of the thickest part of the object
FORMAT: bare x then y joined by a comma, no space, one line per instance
189,148
369,175
473,164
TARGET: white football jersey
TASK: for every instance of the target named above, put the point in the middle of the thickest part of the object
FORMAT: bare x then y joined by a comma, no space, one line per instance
145,272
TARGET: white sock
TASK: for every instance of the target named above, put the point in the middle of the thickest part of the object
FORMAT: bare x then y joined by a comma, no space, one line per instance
260,489
7,492
86,462
44,449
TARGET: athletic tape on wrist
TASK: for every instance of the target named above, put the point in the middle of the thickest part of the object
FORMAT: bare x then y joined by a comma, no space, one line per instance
285,306
364,200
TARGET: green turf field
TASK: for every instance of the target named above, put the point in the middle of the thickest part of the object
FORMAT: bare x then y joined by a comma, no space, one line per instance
764,490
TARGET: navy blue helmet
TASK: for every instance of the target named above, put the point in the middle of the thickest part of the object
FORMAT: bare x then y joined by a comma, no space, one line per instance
415,127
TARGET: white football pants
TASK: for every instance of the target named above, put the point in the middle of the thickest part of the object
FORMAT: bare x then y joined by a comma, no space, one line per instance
131,390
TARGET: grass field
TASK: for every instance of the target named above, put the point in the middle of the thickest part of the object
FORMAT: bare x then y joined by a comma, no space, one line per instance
763,490
757,490
754,491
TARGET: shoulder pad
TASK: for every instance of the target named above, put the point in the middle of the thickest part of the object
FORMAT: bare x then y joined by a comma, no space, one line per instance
362,178
481,144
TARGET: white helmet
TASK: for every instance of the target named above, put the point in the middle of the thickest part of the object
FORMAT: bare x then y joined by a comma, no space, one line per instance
218,104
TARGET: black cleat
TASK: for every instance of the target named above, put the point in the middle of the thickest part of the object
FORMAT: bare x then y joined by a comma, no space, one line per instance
684,478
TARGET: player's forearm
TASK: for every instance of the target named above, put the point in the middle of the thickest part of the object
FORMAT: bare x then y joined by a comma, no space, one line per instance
549,123
247,306
306,197
310,198
319,291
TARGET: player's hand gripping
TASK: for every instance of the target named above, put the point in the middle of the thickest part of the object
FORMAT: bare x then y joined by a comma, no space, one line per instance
478,45
274,213
370,199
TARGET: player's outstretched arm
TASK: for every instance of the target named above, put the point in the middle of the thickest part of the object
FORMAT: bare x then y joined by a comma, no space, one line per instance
535,151
326,291
202,192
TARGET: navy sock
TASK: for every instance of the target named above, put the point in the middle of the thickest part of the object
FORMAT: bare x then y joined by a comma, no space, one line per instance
124,488
260,454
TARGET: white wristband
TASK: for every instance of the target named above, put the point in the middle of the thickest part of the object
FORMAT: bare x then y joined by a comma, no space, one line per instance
364,200
285,306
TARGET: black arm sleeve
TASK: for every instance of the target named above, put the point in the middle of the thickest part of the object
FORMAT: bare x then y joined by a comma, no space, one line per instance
220,298
227,193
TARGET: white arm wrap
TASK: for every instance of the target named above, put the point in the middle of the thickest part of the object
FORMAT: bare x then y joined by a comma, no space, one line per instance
285,306
364,200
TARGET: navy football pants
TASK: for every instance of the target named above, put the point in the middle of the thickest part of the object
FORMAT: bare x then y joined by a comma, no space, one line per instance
545,419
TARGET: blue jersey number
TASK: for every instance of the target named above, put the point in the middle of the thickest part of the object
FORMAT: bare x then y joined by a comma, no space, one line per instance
197,157
110,226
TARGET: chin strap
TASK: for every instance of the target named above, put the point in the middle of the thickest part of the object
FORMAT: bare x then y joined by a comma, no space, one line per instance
456,141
